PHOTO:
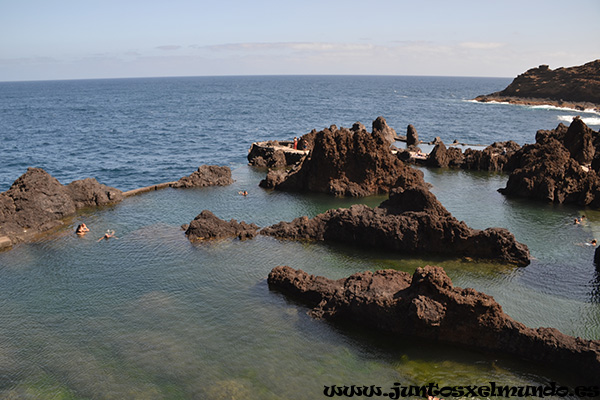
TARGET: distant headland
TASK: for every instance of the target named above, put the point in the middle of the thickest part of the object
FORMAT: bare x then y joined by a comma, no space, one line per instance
574,87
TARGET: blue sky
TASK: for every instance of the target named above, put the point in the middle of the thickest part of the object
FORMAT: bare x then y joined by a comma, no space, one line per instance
75,39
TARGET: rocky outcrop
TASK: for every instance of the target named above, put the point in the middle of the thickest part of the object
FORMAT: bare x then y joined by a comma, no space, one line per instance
207,226
412,138
561,167
574,87
275,154
206,175
495,157
427,305
380,128
348,162
37,202
442,157
412,221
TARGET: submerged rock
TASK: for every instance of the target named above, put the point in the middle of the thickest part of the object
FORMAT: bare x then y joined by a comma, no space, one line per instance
412,221
427,305
348,162
206,175
207,226
37,202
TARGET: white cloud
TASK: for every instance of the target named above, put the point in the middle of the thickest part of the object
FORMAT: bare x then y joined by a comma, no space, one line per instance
288,46
168,47
481,45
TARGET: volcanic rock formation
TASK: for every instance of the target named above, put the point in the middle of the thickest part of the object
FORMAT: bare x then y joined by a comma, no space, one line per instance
277,154
562,166
412,138
574,87
206,175
348,162
207,226
37,202
427,305
412,221
495,157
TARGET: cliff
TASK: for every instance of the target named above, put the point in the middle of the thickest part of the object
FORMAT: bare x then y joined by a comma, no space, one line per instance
574,87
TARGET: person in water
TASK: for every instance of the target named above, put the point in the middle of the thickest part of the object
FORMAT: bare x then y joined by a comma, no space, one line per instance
82,229
109,234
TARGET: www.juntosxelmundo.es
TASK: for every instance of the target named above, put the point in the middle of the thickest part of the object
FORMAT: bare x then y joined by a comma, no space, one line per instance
433,391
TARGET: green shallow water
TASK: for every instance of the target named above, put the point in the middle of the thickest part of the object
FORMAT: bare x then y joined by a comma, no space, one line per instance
151,315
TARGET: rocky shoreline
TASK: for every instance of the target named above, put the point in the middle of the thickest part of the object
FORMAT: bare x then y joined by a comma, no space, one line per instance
355,162
37,202
347,162
412,221
574,87
427,305
562,166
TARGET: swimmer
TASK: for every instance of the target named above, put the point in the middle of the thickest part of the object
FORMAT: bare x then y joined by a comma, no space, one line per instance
82,229
109,234
243,192
594,242
576,222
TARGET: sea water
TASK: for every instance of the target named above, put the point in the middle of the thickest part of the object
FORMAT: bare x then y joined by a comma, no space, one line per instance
151,315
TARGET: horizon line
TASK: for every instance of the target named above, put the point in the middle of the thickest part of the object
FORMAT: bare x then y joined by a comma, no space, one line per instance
249,75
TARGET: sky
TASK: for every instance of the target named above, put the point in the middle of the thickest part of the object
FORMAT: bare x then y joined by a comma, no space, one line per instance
83,39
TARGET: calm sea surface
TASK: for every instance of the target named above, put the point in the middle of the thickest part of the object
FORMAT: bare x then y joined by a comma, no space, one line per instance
152,316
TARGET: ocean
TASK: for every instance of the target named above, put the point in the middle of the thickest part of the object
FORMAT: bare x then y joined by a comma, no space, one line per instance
150,315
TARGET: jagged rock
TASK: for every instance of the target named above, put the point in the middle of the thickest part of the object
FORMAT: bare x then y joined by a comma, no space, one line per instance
381,128
495,157
578,139
441,156
206,175
412,221
89,193
412,138
346,162
427,305
549,170
36,202
207,226
273,154
574,87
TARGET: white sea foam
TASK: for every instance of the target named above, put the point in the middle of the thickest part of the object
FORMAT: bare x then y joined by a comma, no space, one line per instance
590,121
548,107
487,102
539,107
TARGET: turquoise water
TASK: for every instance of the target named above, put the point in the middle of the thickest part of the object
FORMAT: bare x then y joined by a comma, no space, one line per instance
151,315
